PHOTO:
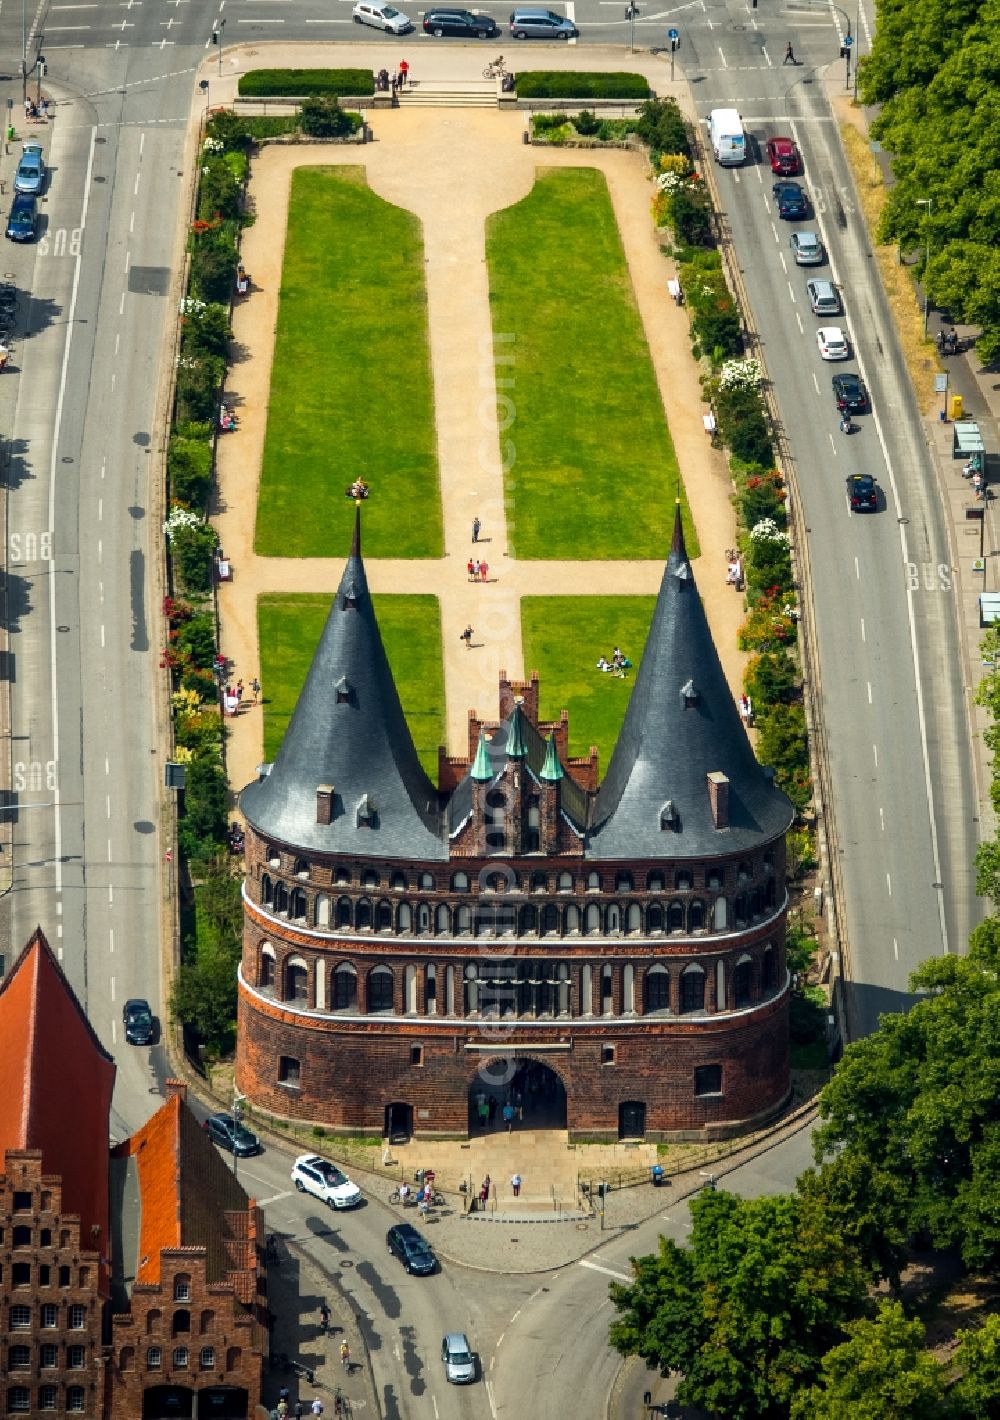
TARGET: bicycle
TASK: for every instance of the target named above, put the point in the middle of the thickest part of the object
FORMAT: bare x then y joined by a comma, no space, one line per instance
496,69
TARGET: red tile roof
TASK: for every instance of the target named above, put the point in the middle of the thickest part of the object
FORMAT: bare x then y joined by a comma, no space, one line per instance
56,1081
157,1156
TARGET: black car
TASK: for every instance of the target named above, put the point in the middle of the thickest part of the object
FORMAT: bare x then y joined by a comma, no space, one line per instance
850,393
230,1134
23,219
140,1026
460,22
413,1252
791,201
862,493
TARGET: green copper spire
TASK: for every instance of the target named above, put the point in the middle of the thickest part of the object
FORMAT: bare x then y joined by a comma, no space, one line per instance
551,769
516,747
481,767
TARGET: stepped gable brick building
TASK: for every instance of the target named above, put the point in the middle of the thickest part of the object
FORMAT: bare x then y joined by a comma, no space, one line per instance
188,1333
55,1098
610,953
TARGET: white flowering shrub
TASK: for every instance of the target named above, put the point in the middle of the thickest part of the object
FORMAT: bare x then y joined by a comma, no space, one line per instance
744,373
180,518
192,306
767,530
214,145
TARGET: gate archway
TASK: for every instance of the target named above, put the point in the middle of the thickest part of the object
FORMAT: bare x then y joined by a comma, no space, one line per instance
532,1088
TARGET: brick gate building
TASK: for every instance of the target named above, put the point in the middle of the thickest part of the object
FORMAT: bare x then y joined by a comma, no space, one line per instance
612,952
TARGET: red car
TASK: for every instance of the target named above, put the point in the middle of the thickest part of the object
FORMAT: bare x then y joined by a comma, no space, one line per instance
783,156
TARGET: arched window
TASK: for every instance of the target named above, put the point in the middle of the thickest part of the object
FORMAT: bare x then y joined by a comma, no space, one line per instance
744,873
383,916
463,919
614,920
713,880
607,989
410,990
741,908
539,882
380,983
529,920
423,918
180,1358
654,917
301,868
682,881
656,989
266,889
592,918
273,855
696,916
181,1324
369,879
471,985
675,916
126,1358
398,882
484,918
208,1358
757,901
442,920
624,882
628,988
460,882
769,969
564,883
266,969
742,982
297,905
206,1322
280,897
655,882
593,882
562,988
363,914
550,920
234,1358
296,981
322,912
586,990
153,1318
771,893
345,987
721,914
344,914
692,988
633,917
425,881
75,1400
404,918
573,919
342,874
449,991
430,988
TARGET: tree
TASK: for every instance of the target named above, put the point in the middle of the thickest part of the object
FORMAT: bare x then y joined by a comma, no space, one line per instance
882,1372
191,550
323,118
747,1311
977,1391
202,828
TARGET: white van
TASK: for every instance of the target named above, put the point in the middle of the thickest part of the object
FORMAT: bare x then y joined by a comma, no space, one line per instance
381,17
729,142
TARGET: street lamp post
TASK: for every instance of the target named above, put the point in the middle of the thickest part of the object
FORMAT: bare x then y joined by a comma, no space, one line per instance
217,39
846,44
630,15
927,202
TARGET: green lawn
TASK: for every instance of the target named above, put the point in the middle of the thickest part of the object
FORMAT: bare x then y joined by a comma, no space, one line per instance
563,637
289,628
593,471
351,393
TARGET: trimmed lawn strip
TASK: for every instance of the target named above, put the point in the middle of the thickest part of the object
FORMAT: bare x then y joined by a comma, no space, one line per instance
351,391
594,471
289,628
563,637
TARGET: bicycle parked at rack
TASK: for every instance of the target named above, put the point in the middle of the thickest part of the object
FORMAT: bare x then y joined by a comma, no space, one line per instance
496,69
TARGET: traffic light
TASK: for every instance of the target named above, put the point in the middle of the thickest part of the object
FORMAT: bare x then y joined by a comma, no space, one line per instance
215,36
845,52
674,42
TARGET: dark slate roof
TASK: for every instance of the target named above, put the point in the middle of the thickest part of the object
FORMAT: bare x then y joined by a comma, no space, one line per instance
533,747
671,741
356,739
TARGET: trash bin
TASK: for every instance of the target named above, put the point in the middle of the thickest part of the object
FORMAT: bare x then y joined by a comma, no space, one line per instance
955,407
656,1175
10,133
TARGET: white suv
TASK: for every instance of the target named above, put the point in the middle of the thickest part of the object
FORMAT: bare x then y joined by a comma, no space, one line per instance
325,1182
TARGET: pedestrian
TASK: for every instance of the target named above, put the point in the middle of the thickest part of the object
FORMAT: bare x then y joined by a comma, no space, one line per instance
274,1415
404,72
297,1412
475,569
324,1318
485,1190
284,1394
27,107
470,567
508,1116
515,1184
239,691
345,1355
789,54
467,638
394,83
476,525
282,1409
317,1406
255,687
484,568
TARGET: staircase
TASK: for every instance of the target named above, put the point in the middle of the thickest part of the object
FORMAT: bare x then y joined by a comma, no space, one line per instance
450,93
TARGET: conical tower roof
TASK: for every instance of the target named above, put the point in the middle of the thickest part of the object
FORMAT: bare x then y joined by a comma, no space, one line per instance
682,724
551,770
348,731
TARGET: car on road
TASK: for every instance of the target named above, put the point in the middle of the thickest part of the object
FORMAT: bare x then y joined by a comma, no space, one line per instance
413,1250
30,174
533,23
792,202
324,1181
460,22
783,156
381,17
850,393
806,248
230,1134
824,298
832,343
139,1022
862,493
459,1361
22,220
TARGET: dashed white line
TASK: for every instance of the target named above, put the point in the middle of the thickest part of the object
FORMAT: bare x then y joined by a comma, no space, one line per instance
875,754
888,883
869,692
608,1271
275,1198
863,636
895,948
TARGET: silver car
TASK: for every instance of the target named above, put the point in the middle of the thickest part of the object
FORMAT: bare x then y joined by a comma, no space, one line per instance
459,1362
806,248
824,298
30,174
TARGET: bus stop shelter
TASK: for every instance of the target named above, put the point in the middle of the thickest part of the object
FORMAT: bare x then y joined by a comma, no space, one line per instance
967,443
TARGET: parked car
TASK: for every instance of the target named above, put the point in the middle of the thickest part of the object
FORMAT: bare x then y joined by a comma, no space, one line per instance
324,1181
413,1251
850,393
783,156
806,248
791,200
541,24
139,1022
22,221
381,17
824,298
30,174
832,343
460,22
230,1134
862,493
459,1362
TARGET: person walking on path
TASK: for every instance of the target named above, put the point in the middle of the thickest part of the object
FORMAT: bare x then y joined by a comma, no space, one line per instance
404,72
317,1406
467,638
475,569
476,525
508,1116
324,1318
297,1412
255,687
515,1184
789,54
470,570
484,568
345,1355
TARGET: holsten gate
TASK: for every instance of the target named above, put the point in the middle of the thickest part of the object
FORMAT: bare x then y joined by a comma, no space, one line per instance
616,946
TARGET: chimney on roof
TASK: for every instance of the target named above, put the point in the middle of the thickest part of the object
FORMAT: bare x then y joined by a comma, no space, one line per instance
718,798
176,1087
324,803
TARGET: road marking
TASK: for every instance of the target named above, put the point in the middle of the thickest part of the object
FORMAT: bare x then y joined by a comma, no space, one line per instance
514,1317
881,817
111,941
857,569
869,692
888,883
275,1198
608,1271
490,1398
875,754
435,1404
112,988
863,636
895,948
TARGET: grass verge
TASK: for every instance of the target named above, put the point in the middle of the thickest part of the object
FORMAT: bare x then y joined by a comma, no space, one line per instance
563,637
289,628
351,393
594,471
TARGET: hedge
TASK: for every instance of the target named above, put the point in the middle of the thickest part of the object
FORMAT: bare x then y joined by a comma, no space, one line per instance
556,84
306,83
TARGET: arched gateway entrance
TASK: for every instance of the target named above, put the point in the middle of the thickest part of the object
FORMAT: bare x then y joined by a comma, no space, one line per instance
532,1089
